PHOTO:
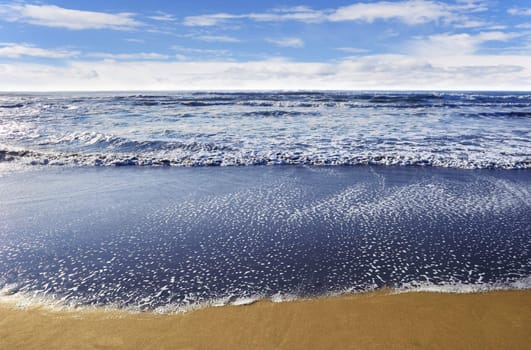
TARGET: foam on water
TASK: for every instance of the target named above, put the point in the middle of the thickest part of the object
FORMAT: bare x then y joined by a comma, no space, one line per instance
178,239
456,130
53,303
462,288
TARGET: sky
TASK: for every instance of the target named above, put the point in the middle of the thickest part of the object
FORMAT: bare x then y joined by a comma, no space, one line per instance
262,45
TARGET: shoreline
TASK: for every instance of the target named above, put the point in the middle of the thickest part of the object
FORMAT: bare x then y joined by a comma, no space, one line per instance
373,320
22,301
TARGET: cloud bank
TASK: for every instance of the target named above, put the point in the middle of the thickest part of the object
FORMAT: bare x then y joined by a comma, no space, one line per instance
401,72
416,44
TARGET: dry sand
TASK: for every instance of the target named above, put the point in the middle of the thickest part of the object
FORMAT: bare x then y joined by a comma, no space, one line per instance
495,320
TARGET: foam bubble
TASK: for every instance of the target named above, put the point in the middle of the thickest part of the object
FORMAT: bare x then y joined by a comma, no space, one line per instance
464,288
283,297
245,300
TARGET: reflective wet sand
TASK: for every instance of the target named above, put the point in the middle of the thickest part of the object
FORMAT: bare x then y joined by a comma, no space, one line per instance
494,320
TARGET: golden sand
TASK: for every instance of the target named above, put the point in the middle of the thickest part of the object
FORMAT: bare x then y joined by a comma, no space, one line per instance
495,320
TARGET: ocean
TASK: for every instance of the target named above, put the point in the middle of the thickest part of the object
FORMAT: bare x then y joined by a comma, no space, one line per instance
172,201
455,130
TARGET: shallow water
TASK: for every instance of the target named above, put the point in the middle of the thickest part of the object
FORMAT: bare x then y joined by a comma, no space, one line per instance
169,239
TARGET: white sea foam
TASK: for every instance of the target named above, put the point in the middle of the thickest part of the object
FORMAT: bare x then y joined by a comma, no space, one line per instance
463,288
283,297
54,303
245,300
411,129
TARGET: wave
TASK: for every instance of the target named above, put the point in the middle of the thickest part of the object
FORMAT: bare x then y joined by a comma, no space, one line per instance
505,114
464,288
196,154
440,129
16,105
300,100
11,295
276,113
87,141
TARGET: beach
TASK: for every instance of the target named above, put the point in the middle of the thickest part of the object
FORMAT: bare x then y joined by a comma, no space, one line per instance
380,320
265,221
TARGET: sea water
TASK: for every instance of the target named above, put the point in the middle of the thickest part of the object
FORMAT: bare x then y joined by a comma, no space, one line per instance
340,192
457,130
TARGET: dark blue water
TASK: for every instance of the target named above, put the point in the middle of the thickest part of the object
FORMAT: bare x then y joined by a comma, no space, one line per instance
167,239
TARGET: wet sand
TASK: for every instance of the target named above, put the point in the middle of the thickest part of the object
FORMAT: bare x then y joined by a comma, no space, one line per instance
494,320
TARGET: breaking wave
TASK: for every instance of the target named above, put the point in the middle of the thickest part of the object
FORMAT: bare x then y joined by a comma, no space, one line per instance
456,130
206,154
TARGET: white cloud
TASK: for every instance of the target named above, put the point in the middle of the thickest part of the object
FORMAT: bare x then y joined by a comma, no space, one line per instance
194,50
190,50
454,44
471,24
287,42
354,50
519,11
496,27
299,13
409,12
303,14
195,54
128,56
13,50
217,38
293,9
163,17
135,40
208,20
459,72
473,5
55,16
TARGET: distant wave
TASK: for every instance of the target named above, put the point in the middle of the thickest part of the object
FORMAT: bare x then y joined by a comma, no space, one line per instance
16,105
468,130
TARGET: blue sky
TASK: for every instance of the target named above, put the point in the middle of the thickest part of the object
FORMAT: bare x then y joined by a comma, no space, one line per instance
305,44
